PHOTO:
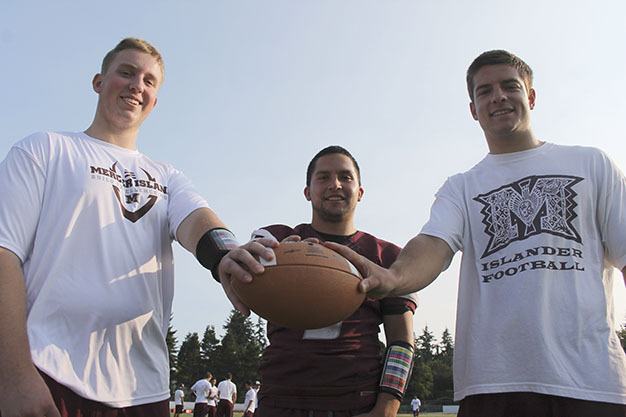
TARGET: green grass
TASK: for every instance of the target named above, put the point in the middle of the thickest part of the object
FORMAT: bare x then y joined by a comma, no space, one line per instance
399,415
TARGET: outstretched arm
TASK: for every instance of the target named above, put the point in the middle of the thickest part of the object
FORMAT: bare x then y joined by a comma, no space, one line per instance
199,222
195,225
24,392
419,263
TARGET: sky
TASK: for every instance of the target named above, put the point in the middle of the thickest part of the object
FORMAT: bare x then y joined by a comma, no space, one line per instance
253,89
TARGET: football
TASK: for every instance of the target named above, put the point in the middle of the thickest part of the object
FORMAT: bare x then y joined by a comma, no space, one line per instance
305,286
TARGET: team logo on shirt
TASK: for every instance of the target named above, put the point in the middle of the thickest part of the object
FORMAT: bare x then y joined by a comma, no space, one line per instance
528,207
128,187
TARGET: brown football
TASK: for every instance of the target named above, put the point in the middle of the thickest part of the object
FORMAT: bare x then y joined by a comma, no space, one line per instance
306,286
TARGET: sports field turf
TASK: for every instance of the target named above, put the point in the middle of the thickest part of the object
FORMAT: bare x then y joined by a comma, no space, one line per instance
399,415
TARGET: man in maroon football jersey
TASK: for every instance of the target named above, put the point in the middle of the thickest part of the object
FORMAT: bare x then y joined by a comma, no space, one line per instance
337,369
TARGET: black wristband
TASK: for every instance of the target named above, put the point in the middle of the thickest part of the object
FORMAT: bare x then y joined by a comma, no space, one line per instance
213,246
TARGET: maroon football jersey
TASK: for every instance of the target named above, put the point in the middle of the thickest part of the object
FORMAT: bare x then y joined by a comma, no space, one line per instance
343,359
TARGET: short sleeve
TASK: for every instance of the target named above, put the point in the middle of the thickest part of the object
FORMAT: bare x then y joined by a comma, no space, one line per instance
263,234
183,199
611,213
22,183
276,232
398,305
447,219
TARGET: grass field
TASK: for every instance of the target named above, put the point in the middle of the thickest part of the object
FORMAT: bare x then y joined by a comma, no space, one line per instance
399,415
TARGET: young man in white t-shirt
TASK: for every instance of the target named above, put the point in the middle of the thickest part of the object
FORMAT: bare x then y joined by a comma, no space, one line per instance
256,386
227,394
179,400
213,398
415,406
202,391
249,403
86,268
541,227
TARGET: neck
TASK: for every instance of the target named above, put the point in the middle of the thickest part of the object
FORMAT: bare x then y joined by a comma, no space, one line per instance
514,142
125,138
344,228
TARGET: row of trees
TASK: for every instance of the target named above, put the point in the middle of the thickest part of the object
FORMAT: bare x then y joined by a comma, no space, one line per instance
432,370
239,352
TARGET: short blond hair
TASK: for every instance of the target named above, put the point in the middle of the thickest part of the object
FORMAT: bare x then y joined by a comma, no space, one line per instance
131,43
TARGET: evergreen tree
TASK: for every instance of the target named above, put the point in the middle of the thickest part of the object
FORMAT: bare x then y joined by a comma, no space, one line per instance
425,345
441,366
209,349
421,382
259,333
240,350
446,345
190,366
172,350
432,372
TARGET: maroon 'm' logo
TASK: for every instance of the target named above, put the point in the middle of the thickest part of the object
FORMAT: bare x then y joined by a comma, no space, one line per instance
133,216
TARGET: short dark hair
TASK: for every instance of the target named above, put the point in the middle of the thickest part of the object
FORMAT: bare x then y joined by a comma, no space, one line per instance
329,150
498,57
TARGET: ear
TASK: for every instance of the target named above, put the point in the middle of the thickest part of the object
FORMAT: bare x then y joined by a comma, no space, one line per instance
307,194
532,96
96,83
360,194
156,99
473,110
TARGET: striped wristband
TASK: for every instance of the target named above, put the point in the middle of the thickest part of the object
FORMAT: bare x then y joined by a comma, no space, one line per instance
397,369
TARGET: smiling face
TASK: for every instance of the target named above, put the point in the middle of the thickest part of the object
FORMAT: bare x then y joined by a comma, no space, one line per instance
127,91
502,102
334,190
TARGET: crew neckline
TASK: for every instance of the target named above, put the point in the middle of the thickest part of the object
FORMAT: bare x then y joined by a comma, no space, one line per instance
520,155
108,144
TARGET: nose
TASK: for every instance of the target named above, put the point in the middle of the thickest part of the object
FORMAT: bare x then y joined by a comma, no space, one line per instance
335,184
498,94
136,84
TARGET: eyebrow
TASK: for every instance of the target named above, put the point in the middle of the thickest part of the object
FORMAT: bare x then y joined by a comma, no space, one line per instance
507,81
482,87
326,172
135,67
511,81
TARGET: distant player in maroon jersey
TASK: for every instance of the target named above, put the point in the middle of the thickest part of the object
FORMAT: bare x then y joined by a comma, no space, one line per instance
338,368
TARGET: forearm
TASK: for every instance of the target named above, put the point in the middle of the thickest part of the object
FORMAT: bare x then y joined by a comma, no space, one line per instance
195,225
15,356
420,262
398,328
386,405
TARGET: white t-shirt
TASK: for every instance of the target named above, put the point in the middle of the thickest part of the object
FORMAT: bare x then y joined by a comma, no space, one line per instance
93,224
415,404
213,396
256,393
226,389
250,401
179,395
202,390
540,231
